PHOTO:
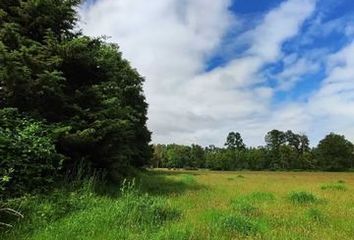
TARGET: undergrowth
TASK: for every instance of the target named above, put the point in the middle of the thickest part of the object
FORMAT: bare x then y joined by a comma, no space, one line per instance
84,214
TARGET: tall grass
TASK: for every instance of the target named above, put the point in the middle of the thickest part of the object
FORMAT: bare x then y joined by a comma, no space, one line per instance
181,205
302,197
84,214
334,186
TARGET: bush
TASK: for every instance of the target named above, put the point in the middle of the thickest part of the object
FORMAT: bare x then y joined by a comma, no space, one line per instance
29,159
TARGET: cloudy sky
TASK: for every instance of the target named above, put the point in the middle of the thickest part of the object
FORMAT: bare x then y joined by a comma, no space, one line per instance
215,66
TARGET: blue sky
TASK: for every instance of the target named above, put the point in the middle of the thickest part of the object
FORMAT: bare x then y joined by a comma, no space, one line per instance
327,12
250,66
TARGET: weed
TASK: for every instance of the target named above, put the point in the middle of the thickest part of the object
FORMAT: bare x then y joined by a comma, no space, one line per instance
146,210
315,214
334,186
241,224
302,197
261,196
245,208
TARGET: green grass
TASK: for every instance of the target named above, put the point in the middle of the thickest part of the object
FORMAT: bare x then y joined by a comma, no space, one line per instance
302,197
239,224
316,215
334,186
192,205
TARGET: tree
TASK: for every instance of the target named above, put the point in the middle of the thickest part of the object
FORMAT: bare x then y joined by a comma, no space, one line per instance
197,156
304,144
159,157
234,141
334,152
274,140
53,73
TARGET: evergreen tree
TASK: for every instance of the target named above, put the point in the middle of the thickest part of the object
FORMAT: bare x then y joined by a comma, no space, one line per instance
52,72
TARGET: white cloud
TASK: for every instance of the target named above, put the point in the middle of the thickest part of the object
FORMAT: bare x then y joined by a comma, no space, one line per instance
294,72
333,103
168,41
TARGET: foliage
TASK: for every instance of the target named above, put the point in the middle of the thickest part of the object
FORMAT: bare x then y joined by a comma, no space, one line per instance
283,151
29,160
335,152
52,73
235,141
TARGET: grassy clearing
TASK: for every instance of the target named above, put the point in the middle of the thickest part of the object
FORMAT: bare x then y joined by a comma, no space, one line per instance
196,205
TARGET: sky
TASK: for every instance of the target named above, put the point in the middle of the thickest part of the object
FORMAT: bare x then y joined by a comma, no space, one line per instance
215,66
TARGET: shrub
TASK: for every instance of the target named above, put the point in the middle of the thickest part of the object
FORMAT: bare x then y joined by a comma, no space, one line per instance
302,197
29,159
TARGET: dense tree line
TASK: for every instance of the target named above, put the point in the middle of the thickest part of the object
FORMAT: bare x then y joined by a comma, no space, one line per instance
65,98
283,151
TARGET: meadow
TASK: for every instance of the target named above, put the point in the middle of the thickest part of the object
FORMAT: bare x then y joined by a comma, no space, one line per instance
176,204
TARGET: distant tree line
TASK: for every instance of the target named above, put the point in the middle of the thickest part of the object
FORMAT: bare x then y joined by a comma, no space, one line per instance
283,151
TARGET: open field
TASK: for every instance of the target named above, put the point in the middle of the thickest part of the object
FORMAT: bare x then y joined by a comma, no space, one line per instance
199,205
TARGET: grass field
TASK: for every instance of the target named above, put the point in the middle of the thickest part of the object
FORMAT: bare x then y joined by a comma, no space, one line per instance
165,204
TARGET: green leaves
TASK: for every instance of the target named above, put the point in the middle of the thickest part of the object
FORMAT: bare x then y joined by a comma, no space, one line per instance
335,152
90,98
29,161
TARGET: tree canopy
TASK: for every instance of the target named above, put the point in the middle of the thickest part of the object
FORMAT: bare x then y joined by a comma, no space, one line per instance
283,151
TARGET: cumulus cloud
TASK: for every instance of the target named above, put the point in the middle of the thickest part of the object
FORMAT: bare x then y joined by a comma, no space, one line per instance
169,42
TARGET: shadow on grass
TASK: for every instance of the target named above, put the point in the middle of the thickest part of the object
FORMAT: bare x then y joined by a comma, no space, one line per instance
164,183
